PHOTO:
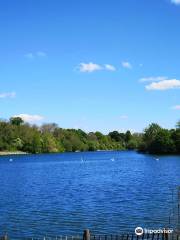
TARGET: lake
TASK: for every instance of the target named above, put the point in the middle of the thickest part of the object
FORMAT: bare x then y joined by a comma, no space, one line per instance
109,192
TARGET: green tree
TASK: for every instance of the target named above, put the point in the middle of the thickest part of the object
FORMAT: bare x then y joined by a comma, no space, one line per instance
116,136
128,136
151,132
49,143
17,143
67,145
162,143
175,134
36,144
132,144
16,121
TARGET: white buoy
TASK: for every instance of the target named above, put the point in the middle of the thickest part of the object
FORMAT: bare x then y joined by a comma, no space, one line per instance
10,160
112,159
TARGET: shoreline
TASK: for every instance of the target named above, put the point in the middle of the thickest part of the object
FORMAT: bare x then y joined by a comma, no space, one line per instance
7,153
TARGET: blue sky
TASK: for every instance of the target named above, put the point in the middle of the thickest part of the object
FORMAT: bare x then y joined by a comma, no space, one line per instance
95,65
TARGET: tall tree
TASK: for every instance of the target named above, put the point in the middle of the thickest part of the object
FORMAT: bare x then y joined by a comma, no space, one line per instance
16,121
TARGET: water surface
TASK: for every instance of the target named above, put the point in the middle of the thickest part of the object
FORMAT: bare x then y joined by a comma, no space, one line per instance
107,192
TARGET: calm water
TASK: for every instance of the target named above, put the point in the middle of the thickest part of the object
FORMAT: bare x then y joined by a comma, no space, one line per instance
107,192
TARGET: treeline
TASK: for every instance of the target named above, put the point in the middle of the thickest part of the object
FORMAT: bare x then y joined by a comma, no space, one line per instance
15,135
157,140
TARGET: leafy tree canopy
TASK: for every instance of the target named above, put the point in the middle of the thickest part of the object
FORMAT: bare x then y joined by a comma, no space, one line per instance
16,135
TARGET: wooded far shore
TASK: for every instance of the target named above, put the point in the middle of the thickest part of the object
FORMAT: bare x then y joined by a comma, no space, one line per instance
18,137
